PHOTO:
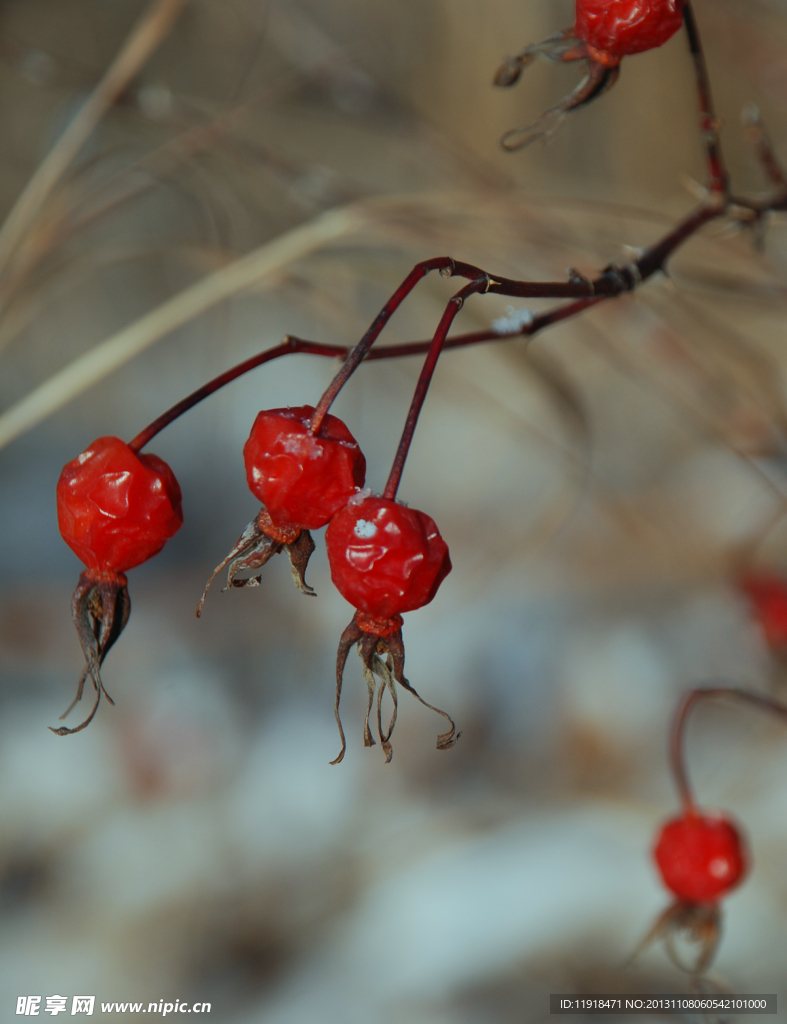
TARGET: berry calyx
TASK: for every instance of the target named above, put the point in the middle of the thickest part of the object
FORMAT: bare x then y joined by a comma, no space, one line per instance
116,509
258,543
613,29
385,558
768,597
701,857
301,478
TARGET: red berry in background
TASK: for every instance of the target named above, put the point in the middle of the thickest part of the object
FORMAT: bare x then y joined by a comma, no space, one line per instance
385,558
701,857
302,479
117,509
619,28
768,596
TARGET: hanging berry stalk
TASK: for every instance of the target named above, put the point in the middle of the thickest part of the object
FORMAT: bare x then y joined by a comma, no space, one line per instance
302,479
387,559
116,509
701,855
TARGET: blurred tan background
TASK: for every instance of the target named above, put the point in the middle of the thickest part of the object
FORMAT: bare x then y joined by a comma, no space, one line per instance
598,490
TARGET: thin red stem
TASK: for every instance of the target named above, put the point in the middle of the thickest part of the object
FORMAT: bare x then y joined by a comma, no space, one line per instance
709,123
677,737
358,354
425,379
451,268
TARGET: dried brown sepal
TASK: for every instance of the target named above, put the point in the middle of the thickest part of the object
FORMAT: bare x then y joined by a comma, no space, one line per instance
598,79
382,655
698,924
258,543
555,47
602,71
100,609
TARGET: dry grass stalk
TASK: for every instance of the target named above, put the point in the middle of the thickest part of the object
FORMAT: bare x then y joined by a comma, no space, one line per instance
145,37
111,354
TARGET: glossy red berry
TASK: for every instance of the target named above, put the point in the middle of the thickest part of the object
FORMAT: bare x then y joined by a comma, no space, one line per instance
619,28
768,596
302,479
385,558
701,857
115,508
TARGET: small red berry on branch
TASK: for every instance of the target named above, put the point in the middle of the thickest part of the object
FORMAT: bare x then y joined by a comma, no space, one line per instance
302,479
116,509
613,29
701,857
385,559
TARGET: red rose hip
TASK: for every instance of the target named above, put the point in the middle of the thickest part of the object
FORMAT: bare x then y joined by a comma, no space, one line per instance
301,478
700,857
386,558
115,508
619,28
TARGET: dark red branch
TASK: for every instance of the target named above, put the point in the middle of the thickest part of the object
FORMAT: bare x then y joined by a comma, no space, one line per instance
449,268
709,124
612,281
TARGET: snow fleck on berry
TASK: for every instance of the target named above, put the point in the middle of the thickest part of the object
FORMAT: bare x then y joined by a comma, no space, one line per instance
302,479
619,28
364,528
700,857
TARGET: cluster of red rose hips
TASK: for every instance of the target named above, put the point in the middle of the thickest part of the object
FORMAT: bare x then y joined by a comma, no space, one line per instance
117,508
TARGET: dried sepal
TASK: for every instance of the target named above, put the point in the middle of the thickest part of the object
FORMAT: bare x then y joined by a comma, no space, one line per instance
697,924
100,609
559,47
602,71
258,543
381,650
598,79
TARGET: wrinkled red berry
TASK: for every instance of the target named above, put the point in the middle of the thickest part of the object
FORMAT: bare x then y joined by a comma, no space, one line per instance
619,28
117,509
700,857
768,596
302,479
385,558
